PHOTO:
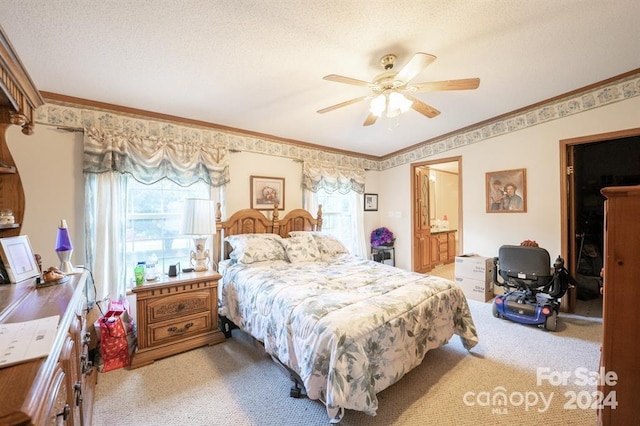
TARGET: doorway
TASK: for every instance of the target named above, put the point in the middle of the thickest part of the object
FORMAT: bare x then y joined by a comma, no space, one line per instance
437,212
592,163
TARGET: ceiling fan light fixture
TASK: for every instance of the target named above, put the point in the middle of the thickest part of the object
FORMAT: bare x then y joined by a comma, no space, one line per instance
389,88
398,102
378,105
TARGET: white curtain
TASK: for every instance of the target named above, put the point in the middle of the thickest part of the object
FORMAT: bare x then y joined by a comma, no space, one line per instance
346,181
105,207
110,159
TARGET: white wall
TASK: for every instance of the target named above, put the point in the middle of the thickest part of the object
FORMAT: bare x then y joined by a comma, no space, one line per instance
536,149
50,166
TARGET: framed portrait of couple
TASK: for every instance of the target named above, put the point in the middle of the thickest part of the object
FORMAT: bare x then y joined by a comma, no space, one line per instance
506,191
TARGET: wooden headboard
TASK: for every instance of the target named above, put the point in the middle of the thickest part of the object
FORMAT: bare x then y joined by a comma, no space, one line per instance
250,221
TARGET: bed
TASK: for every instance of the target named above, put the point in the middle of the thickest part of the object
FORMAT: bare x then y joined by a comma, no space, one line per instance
345,327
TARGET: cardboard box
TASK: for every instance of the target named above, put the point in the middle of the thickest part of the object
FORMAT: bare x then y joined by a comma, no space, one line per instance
474,267
479,290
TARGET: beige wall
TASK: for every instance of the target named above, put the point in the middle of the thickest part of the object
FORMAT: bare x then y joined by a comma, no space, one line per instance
537,149
50,165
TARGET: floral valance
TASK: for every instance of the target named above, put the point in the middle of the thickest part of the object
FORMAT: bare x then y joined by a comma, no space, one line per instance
150,158
331,178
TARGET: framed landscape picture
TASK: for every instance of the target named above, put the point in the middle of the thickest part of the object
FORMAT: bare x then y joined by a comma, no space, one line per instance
506,191
267,191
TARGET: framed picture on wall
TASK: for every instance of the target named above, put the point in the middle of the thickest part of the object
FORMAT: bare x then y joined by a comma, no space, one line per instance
267,191
506,191
370,202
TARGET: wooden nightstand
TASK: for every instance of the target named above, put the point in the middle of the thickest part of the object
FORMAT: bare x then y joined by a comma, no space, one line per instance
176,314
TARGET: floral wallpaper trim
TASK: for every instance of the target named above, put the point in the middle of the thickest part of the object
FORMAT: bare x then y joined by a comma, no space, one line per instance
68,115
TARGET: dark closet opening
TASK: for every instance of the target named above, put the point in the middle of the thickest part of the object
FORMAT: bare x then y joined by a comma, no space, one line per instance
598,165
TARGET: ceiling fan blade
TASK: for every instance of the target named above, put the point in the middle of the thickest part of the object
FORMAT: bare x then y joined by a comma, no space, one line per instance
421,107
419,62
371,119
342,104
434,86
346,80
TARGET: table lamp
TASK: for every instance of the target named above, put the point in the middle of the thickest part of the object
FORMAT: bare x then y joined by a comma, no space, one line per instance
199,220
64,248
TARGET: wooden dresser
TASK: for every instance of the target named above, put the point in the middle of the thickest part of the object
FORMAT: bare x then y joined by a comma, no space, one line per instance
621,311
176,314
58,389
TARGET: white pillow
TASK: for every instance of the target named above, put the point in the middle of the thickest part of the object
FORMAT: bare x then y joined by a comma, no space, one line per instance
302,248
251,248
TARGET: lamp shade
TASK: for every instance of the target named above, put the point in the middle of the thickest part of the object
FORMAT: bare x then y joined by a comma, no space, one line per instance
199,217
63,241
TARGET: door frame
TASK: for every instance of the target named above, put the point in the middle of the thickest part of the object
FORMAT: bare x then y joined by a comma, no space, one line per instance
414,166
568,195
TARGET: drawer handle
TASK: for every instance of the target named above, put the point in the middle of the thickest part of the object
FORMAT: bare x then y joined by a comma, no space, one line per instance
180,307
186,327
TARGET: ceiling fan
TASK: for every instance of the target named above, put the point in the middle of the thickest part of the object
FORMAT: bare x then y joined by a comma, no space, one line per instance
391,91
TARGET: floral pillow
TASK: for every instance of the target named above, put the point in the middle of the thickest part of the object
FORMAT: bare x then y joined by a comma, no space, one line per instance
302,248
251,248
328,245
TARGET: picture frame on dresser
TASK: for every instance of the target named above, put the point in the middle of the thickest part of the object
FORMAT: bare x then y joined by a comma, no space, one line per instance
18,258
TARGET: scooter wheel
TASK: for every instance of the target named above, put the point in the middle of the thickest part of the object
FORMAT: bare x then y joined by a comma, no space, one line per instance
551,322
494,309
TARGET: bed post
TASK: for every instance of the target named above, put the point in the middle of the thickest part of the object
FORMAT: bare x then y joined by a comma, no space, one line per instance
218,251
275,221
319,218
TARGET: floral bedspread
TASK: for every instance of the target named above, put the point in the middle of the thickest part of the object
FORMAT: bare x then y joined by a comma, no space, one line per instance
349,328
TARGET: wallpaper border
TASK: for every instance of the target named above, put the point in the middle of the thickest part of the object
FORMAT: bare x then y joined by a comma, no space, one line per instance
77,116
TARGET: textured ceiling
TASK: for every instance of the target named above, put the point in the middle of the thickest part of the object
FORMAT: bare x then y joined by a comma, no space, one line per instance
258,65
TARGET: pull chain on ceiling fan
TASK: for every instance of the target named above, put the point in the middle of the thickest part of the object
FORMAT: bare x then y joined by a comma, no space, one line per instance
391,93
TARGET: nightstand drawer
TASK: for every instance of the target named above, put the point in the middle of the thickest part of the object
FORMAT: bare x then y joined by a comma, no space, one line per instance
181,304
171,330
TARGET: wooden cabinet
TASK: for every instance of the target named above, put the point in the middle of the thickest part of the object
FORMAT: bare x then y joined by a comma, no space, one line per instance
18,101
443,247
57,389
175,314
621,321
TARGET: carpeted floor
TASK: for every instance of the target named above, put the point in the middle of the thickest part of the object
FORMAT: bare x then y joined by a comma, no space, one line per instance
235,383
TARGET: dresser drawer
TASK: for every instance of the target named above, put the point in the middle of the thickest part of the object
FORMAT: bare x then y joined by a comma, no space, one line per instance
178,305
179,328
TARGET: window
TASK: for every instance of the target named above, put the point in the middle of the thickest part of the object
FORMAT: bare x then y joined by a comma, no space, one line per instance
154,223
339,217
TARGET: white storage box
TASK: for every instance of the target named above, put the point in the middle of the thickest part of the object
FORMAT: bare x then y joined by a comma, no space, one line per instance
474,267
479,290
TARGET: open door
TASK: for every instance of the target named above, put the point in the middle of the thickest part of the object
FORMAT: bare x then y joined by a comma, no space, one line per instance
428,206
421,221
568,303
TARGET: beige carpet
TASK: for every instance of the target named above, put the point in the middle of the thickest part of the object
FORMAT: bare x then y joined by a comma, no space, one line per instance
235,383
